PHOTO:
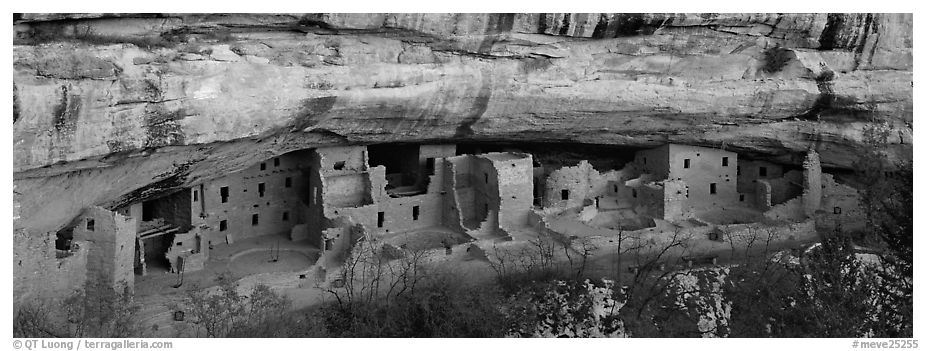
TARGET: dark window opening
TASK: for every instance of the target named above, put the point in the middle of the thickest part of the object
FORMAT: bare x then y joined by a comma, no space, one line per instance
713,188
276,162
195,195
687,163
91,225
429,165
487,209
644,160
339,165
260,189
263,166
380,219
415,213
615,188
255,219
223,225
224,193
634,193
837,210
285,215
289,182
486,177
725,161
763,171
564,194
738,170
742,197
63,239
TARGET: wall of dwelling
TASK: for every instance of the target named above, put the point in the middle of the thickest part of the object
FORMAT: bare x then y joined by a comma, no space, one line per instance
812,183
839,205
584,182
749,171
301,231
763,195
786,187
338,239
675,200
705,168
574,180
38,274
515,188
792,211
245,200
451,216
434,152
348,190
132,210
175,209
476,189
192,247
111,256
654,161
650,200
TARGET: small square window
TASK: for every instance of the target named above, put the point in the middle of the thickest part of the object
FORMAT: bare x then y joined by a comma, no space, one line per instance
285,215
289,182
223,191
687,163
223,225
415,212
486,176
564,194
725,161
255,219
380,219
763,171
91,224
260,189
837,210
742,197
263,166
713,188
195,195
276,162
634,193
339,165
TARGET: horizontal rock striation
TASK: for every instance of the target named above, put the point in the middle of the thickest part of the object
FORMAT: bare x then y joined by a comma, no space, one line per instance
114,108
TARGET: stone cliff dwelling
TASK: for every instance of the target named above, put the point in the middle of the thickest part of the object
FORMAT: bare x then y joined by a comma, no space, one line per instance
319,202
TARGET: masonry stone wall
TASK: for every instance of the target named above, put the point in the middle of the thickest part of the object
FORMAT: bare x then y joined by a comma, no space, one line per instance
812,183
515,188
675,200
111,257
39,275
792,211
839,205
763,195
705,167
748,172
654,161
567,187
277,208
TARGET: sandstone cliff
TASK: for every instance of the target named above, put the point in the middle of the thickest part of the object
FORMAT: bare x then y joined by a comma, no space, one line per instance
113,108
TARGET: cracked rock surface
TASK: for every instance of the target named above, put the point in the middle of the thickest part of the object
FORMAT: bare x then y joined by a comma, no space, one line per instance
117,108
